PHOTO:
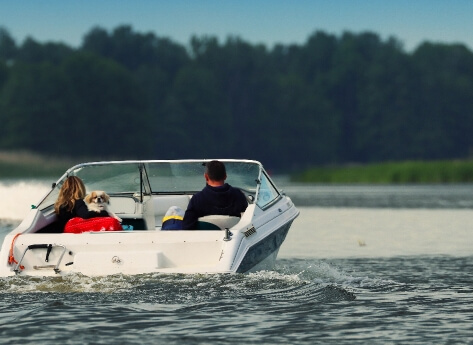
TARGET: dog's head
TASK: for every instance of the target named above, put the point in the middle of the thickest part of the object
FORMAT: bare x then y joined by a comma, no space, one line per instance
98,197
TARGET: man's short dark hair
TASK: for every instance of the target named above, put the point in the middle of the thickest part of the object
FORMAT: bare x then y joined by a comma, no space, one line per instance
215,170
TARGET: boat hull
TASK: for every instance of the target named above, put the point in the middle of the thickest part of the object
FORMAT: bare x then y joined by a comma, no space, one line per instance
253,245
262,255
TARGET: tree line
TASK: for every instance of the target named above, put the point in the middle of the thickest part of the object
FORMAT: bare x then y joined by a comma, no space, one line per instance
349,98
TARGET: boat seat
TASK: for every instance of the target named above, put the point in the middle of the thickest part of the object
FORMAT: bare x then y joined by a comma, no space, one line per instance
162,203
216,222
122,205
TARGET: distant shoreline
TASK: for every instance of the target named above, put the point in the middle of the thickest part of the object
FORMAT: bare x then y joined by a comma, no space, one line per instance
408,172
23,164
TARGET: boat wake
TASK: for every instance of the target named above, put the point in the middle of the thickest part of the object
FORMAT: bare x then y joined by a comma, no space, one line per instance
293,281
22,194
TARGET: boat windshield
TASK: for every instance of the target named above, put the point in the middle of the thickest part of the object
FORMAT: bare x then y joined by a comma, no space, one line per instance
188,177
114,178
155,177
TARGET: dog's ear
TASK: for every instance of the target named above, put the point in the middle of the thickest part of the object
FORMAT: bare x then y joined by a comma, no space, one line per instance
88,198
92,195
106,198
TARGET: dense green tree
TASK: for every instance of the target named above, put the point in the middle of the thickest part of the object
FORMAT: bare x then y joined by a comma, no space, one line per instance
134,50
197,114
34,52
444,108
8,49
31,109
384,129
333,99
244,79
310,125
106,106
3,74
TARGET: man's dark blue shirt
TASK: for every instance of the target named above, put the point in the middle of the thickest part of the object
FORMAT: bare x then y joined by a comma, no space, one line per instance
222,200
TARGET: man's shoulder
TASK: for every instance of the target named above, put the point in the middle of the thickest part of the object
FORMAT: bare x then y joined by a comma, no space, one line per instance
235,190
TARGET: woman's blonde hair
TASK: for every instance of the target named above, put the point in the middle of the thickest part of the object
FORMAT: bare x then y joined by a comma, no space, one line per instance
72,190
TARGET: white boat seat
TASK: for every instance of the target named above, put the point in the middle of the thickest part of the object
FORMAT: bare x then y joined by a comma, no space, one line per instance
218,221
122,205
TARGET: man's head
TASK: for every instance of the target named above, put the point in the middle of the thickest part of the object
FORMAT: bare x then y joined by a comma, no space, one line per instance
215,171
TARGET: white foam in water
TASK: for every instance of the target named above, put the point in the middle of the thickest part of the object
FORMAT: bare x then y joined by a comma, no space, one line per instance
66,283
18,196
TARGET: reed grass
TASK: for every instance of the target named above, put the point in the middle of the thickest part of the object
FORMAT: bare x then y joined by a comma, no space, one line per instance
421,172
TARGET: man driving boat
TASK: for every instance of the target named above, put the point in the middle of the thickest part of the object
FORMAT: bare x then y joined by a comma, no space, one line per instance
217,197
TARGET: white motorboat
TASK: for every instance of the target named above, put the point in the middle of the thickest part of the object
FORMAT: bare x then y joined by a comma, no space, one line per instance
141,193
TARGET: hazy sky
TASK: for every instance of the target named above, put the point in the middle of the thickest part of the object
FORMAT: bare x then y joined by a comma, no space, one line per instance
256,21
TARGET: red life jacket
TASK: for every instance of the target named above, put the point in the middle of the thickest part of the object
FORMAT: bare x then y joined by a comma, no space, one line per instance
78,225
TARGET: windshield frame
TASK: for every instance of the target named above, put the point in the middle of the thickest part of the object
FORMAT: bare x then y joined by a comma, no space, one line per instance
144,177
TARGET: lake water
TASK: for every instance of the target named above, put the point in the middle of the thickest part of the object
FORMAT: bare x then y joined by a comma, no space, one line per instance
361,265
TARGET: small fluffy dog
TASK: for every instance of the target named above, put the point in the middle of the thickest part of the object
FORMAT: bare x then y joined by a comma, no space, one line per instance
98,201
